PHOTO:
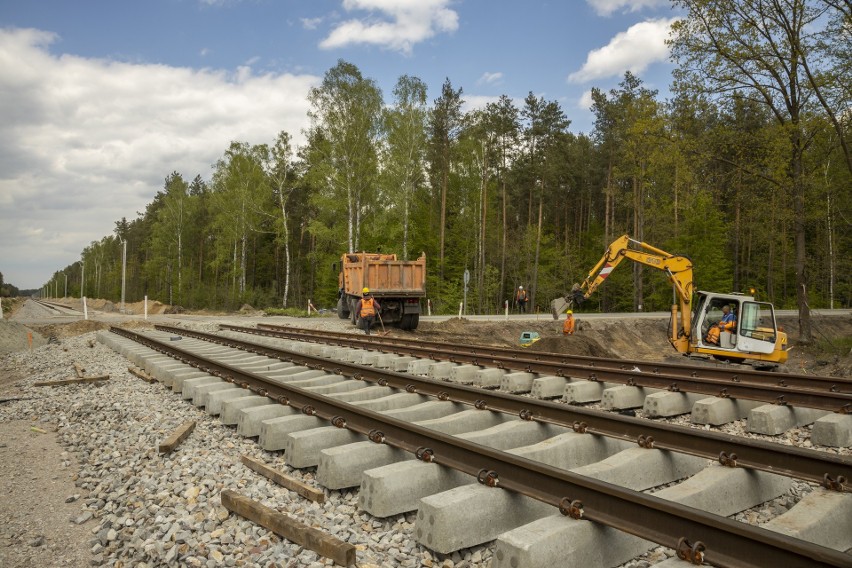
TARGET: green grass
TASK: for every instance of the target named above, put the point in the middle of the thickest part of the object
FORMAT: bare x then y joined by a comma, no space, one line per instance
837,346
292,312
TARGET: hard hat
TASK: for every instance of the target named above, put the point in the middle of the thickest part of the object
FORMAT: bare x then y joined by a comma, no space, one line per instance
520,287
569,312
365,291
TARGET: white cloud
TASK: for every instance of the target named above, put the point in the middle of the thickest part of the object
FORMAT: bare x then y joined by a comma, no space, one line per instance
608,7
393,24
585,102
489,78
634,50
311,23
84,142
205,51
476,102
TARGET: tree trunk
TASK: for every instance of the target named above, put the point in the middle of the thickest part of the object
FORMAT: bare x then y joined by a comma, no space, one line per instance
537,249
805,335
444,183
503,254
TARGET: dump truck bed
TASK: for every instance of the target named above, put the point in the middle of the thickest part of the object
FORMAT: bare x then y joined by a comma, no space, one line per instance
384,275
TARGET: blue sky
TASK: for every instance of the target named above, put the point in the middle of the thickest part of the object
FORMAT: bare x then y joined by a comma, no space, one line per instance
101,100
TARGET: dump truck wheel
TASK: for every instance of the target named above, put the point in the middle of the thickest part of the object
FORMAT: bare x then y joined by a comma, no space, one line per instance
409,322
352,314
342,309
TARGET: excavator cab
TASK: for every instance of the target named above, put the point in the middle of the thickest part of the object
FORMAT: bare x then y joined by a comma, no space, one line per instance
755,336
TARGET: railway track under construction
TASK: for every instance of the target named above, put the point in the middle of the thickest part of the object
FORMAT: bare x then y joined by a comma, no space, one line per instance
515,469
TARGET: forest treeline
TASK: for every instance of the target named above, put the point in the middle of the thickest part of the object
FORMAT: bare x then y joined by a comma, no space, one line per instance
746,170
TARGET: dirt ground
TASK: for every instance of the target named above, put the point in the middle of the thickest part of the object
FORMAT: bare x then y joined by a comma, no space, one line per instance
39,498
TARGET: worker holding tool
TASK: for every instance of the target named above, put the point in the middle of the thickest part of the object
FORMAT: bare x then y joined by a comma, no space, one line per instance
568,326
367,308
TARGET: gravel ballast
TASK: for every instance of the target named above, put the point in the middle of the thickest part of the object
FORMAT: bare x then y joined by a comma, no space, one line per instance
140,508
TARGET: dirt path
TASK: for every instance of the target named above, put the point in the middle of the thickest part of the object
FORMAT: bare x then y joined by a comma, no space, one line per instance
39,499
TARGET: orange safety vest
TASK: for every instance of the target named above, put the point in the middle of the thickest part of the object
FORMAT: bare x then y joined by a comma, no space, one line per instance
568,326
367,308
522,295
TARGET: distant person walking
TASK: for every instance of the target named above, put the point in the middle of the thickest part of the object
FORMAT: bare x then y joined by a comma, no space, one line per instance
568,326
521,299
367,308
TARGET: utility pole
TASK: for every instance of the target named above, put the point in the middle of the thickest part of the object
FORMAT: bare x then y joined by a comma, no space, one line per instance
66,286
83,280
123,269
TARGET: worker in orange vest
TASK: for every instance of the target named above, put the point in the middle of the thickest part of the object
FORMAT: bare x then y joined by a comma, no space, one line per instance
521,299
367,308
568,326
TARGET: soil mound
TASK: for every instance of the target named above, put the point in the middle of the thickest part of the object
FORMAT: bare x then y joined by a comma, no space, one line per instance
62,330
13,337
572,345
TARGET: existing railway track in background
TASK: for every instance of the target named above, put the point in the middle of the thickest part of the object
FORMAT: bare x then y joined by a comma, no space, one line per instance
55,308
733,544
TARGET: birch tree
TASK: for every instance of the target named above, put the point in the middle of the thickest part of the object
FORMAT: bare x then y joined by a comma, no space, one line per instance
280,172
345,115
240,185
404,160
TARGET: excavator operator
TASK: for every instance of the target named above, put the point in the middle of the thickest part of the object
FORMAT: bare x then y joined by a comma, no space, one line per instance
727,323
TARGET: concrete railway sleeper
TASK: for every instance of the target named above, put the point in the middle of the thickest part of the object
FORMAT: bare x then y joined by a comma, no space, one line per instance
722,372
722,542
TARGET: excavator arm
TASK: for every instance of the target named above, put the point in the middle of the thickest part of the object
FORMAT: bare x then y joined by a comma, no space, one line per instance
677,268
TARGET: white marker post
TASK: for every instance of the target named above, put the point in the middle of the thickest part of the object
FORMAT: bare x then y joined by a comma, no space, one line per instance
85,309
146,308
506,308
461,307
429,307
309,306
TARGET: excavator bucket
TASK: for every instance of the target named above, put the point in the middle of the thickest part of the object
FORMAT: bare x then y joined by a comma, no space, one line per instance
558,306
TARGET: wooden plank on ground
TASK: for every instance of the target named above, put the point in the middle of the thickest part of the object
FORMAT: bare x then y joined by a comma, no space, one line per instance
177,437
283,480
324,544
141,374
80,370
72,381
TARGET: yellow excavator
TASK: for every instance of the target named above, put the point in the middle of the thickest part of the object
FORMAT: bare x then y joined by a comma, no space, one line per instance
755,338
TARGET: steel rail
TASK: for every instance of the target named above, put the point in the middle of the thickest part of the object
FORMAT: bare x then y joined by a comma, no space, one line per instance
829,470
721,372
824,400
694,533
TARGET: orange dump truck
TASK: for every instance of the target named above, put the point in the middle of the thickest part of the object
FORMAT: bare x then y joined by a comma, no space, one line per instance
398,285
